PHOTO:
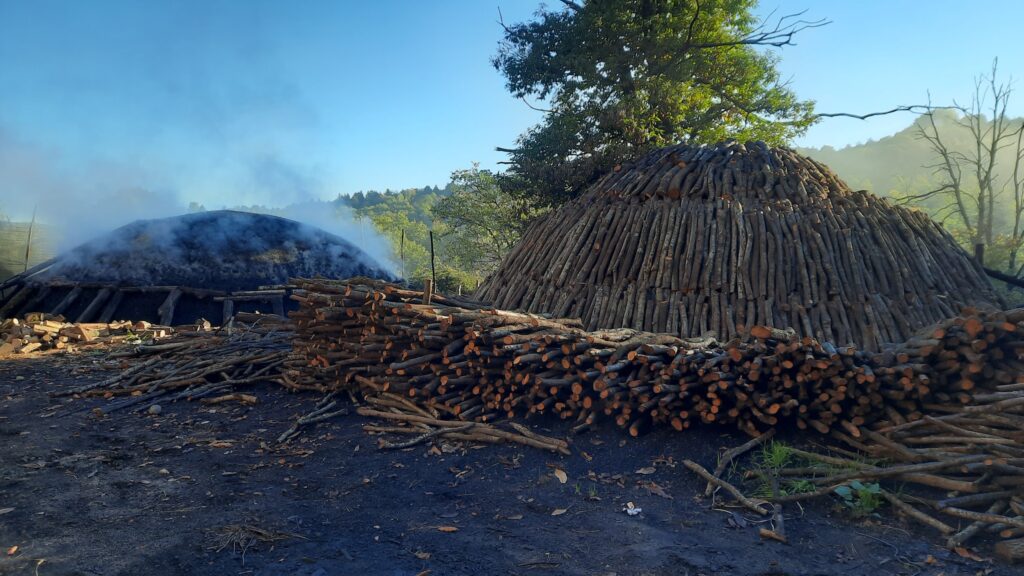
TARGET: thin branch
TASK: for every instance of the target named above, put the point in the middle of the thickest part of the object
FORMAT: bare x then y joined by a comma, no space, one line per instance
781,35
915,108
532,107
575,6
501,21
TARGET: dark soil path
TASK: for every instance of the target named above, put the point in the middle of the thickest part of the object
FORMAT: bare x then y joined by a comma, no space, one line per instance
143,494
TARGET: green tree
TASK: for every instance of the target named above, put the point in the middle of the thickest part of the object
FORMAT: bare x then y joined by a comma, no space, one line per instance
621,77
482,220
405,219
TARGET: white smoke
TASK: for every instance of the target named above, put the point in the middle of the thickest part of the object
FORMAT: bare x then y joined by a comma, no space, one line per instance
80,202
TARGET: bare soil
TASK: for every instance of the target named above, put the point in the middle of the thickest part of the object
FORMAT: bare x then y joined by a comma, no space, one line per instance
169,493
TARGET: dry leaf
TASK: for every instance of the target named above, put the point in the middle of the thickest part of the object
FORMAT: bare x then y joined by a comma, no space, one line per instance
12,550
559,511
586,456
560,474
653,488
221,444
646,470
6,511
966,553
447,529
772,535
422,555
515,517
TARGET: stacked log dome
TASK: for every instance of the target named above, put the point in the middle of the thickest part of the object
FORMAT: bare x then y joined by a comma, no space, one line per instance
696,239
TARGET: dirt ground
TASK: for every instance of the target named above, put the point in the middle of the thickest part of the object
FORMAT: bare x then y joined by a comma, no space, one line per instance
169,493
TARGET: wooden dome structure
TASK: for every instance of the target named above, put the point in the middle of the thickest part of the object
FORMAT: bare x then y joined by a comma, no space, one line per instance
713,238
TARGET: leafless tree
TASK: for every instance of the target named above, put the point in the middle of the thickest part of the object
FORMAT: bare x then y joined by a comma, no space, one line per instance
968,177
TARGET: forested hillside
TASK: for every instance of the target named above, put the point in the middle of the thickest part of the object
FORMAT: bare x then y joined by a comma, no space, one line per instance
901,163
907,167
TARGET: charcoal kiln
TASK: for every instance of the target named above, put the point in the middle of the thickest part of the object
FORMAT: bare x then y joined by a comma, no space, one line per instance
696,239
179,269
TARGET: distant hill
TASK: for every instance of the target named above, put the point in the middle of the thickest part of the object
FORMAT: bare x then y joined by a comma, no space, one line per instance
897,163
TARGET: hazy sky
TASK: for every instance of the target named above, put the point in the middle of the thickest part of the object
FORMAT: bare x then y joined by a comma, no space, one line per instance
270,102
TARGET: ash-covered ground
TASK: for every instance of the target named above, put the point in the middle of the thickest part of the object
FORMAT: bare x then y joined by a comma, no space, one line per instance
202,490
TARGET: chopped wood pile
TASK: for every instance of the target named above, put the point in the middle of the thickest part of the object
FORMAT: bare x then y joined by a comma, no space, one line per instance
41,332
691,240
935,423
476,364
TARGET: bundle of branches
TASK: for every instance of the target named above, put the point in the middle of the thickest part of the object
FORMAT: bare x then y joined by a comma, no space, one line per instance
960,473
194,365
472,363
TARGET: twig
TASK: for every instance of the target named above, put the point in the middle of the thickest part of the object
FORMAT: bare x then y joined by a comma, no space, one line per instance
732,490
915,513
731,454
424,437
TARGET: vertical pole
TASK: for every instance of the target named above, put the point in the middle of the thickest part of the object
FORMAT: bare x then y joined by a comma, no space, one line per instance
433,278
28,244
401,254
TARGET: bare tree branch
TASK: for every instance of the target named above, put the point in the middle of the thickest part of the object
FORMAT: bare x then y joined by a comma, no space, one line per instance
532,107
915,108
778,36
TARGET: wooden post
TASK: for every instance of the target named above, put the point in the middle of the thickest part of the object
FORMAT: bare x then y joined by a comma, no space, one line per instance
111,308
67,301
401,255
28,243
166,309
433,278
229,311
428,290
94,306
18,297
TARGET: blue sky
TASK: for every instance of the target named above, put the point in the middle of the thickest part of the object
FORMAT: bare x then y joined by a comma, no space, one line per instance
264,102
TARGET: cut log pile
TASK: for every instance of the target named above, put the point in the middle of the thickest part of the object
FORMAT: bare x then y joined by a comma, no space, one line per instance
695,239
937,422
41,332
477,364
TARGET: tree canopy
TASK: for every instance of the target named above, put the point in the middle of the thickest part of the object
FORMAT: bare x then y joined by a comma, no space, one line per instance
482,221
620,77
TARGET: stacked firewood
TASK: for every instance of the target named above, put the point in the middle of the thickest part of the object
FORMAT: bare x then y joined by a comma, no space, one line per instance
479,364
691,239
41,332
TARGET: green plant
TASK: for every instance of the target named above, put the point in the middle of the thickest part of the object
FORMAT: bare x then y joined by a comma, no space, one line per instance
862,499
798,487
776,455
